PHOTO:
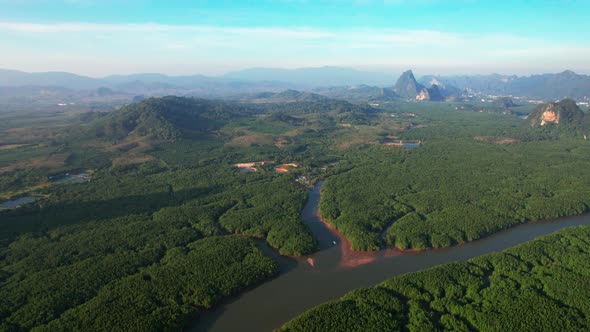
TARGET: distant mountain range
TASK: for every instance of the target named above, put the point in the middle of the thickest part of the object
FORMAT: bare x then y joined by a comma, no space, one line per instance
269,77
332,81
313,77
562,85
547,87
150,84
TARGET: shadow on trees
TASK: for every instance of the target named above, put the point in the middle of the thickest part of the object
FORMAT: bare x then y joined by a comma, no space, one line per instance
42,219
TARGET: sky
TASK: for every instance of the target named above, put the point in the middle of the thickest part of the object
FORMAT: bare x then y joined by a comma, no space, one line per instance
102,37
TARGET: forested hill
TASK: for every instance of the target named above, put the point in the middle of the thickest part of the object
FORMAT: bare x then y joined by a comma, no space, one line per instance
167,118
525,288
300,103
296,96
564,115
171,118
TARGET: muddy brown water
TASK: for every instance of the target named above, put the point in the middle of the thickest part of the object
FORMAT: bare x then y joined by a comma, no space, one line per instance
300,286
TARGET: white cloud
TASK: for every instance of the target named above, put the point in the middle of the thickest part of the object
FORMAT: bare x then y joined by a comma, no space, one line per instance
375,37
302,32
217,48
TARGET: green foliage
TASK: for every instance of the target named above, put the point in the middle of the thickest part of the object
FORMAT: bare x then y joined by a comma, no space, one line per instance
19,178
284,117
64,275
570,120
537,286
167,118
146,246
271,212
344,110
456,188
163,295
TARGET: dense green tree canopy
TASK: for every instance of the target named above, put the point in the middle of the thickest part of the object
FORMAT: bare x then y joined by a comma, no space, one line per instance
166,227
537,286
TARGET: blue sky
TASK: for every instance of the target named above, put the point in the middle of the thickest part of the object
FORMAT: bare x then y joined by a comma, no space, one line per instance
98,38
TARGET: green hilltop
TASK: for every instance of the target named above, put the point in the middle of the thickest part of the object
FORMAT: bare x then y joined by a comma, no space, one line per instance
563,117
168,118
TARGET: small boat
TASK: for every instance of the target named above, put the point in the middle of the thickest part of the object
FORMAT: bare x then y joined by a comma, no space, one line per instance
334,242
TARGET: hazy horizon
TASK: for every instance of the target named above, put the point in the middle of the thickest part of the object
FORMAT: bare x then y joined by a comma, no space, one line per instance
395,72
100,38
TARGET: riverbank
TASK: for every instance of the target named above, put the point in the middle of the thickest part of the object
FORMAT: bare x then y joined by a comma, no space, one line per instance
352,258
335,272
546,304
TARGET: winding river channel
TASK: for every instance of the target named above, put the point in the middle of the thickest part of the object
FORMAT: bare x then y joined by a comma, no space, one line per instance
334,271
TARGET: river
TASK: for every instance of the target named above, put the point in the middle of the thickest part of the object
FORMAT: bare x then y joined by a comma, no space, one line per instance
17,202
300,286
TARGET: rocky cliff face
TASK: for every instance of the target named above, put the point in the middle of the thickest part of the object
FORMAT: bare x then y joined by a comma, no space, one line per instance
423,95
564,114
549,115
407,86
433,94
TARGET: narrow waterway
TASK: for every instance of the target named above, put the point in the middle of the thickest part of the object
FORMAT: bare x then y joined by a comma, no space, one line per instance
301,286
